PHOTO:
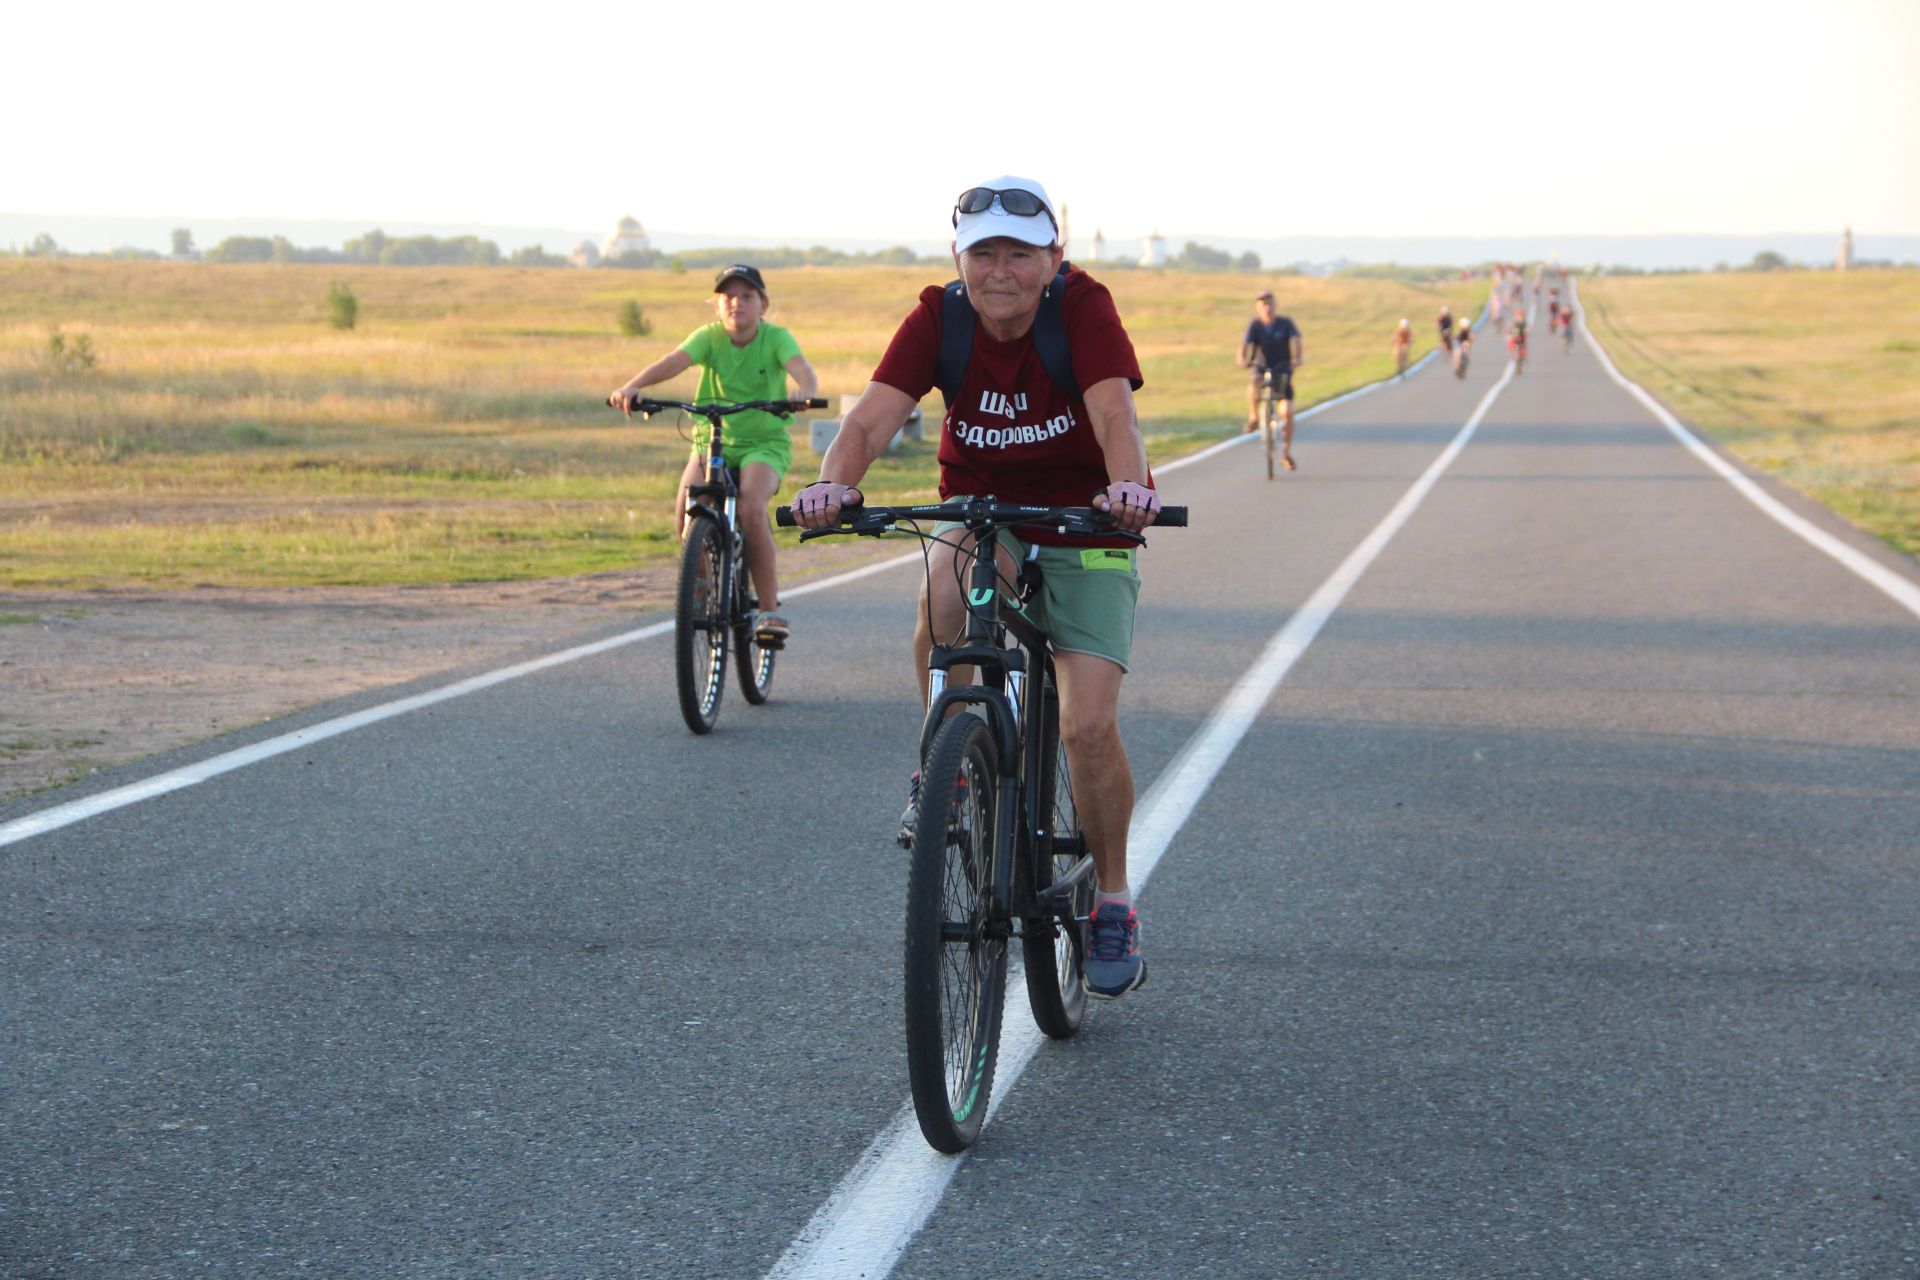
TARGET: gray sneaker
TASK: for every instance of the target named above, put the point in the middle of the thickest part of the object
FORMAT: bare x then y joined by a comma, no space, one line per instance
1113,965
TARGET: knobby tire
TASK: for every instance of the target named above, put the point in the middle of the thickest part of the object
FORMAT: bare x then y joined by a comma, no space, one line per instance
1053,956
1266,429
700,626
955,987
752,663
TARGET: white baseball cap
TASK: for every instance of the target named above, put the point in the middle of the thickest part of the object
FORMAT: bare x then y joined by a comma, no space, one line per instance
992,218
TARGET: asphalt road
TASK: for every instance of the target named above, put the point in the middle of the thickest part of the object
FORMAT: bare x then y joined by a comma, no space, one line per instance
1557,917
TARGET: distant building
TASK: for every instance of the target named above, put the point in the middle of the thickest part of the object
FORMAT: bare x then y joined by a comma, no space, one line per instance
1845,259
1099,245
1155,252
585,254
628,237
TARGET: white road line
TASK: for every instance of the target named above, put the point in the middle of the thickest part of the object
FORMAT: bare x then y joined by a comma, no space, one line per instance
189,775
58,816
1302,416
868,1221
1903,590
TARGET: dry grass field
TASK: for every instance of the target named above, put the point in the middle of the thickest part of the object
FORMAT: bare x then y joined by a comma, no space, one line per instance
1813,376
175,424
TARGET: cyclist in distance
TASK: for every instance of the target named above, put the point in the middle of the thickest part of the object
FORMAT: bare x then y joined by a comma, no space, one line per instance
1272,342
1462,347
1446,329
1402,344
741,357
1012,432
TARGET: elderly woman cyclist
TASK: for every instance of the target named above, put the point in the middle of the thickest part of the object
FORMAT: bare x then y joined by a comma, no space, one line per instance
1006,246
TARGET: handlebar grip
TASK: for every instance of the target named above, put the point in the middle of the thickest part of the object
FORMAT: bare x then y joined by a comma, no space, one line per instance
818,402
783,516
1173,517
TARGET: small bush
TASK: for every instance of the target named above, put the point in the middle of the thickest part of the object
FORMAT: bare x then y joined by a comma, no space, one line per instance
69,358
633,321
342,307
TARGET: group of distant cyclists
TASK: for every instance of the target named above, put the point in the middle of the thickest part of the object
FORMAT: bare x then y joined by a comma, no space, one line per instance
1506,312
1014,431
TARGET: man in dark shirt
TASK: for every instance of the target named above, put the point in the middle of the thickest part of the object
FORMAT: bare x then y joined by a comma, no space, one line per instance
1272,344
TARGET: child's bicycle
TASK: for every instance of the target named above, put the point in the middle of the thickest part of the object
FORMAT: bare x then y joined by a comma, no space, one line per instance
714,601
997,852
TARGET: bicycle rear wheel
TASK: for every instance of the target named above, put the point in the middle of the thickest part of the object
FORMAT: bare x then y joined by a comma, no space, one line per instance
1053,957
700,627
752,663
956,952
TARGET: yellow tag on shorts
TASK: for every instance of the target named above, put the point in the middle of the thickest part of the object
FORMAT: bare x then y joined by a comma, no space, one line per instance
1107,558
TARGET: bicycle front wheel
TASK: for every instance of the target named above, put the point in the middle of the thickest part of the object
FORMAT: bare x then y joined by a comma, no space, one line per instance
700,626
1053,950
956,951
1266,430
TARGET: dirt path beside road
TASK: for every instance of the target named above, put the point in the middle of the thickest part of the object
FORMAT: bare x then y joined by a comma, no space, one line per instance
97,678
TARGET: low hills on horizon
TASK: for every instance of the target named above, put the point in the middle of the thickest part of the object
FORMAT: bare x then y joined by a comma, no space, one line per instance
152,235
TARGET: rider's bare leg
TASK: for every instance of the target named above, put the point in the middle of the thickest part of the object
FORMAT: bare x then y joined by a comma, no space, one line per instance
944,589
758,483
695,472
1102,777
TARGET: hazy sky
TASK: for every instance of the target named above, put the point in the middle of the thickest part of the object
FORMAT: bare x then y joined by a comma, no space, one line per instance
844,118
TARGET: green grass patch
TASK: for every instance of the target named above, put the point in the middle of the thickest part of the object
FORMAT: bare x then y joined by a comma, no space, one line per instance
1812,376
226,434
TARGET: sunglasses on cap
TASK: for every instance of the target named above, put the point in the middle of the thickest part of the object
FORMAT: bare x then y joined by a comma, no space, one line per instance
1013,200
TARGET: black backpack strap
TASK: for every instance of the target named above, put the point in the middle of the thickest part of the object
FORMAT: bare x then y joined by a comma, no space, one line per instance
957,322
1050,336
956,340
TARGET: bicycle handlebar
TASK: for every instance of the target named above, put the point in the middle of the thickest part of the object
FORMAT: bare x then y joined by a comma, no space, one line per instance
978,512
718,410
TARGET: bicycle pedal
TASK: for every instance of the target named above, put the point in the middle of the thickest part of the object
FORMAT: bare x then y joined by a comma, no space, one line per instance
770,642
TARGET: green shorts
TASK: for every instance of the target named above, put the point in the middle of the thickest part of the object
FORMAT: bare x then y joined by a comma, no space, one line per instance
777,454
1086,599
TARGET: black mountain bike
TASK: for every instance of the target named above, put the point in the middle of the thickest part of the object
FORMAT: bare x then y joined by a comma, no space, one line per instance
997,853
715,601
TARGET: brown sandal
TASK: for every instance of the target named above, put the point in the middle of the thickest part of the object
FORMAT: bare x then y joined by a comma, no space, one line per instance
770,631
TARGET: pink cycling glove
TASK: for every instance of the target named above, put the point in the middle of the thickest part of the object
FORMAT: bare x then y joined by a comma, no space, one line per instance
1125,493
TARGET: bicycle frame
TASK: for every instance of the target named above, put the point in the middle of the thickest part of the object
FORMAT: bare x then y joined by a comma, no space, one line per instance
1004,692
721,485
1001,692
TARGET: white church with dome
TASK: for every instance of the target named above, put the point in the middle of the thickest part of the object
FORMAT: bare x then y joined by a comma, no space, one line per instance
628,237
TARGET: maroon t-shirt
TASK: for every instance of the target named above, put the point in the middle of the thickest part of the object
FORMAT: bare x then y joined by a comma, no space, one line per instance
1011,432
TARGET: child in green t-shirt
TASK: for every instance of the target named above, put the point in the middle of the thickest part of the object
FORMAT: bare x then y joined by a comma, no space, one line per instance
741,357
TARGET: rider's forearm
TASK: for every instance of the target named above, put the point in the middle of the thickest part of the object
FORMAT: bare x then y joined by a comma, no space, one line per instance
670,365
849,456
1117,429
806,383
865,433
